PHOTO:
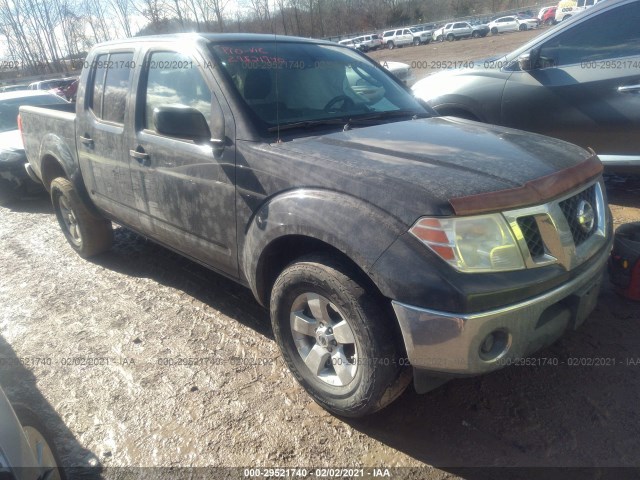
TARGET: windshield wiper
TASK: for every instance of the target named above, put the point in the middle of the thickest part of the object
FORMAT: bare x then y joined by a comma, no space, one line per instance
307,124
385,115
347,122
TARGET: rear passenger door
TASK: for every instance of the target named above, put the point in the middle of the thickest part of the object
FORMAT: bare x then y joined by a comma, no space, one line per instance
102,117
186,190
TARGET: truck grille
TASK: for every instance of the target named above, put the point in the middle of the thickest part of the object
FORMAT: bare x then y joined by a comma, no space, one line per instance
570,209
532,235
553,233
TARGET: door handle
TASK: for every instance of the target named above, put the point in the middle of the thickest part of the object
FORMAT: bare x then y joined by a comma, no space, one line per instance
88,141
141,157
629,89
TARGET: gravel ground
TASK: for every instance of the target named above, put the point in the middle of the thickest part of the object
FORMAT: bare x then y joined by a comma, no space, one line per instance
142,358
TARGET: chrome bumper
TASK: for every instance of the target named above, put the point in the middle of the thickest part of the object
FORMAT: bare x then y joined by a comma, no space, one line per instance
471,344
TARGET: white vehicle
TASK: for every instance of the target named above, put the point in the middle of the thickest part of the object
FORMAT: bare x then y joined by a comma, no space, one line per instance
438,34
347,43
397,38
512,24
420,37
366,43
568,8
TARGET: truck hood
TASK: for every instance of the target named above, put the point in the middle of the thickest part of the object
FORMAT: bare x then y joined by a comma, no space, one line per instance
416,167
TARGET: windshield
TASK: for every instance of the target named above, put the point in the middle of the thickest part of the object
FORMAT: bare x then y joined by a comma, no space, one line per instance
289,83
9,109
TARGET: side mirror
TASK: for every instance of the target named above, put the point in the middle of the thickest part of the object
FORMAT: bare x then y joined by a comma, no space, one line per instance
529,61
524,62
181,122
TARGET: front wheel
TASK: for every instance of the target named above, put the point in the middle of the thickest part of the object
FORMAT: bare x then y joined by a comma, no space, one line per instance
475,35
335,338
522,27
416,42
390,45
87,233
450,37
41,444
494,31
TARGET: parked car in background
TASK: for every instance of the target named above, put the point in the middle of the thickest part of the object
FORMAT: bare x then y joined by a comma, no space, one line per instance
63,86
27,451
549,16
458,30
366,43
544,10
14,180
568,8
47,84
397,38
512,23
579,82
347,42
438,33
420,37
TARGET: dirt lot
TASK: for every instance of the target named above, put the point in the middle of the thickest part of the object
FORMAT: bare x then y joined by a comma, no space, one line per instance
435,56
95,346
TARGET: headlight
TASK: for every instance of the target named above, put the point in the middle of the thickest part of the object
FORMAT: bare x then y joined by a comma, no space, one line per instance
482,243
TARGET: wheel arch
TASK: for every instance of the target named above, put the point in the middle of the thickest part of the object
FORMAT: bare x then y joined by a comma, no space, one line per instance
303,222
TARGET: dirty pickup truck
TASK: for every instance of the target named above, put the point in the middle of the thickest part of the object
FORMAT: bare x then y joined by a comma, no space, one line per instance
388,243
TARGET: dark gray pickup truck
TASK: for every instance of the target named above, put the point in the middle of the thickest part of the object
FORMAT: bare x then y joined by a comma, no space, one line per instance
386,241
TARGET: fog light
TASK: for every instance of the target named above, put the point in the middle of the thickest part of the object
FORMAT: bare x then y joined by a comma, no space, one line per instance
495,345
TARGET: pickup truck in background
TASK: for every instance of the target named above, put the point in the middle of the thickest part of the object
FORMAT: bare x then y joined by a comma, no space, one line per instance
384,240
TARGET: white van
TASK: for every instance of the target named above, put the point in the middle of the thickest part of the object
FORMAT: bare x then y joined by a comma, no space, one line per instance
568,8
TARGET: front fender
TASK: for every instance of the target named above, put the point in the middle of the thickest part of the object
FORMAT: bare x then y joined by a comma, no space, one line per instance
358,229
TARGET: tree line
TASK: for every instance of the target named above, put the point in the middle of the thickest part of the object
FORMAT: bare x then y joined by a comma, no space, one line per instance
42,36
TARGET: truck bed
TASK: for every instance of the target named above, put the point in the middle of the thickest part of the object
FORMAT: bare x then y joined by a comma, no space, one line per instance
50,130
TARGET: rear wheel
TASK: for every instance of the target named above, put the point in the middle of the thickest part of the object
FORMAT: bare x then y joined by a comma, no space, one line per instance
88,234
335,338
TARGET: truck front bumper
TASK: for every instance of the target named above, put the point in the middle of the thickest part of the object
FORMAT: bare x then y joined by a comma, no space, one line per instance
471,344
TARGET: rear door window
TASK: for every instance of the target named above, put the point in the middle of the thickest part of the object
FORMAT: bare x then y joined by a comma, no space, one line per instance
111,85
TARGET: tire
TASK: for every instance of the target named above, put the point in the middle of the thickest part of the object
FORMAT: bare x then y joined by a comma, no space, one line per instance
416,42
88,234
439,38
41,441
475,34
390,45
450,37
494,31
10,192
323,296
522,27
